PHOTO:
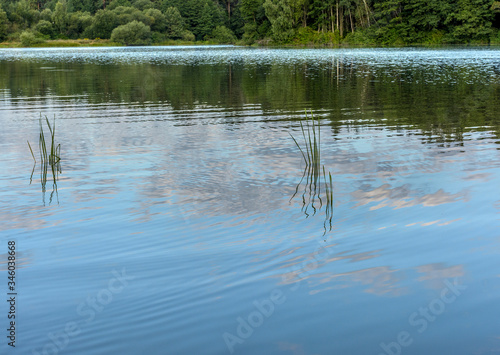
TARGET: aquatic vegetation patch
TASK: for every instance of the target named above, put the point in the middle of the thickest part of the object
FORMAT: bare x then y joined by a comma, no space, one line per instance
312,193
50,156
312,142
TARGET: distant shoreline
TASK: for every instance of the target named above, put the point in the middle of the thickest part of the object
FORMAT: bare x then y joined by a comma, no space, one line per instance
90,43
61,43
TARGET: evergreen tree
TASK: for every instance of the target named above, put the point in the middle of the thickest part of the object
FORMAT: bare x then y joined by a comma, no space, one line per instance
249,9
204,24
175,24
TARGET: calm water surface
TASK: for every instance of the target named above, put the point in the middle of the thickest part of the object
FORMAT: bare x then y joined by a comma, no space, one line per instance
181,224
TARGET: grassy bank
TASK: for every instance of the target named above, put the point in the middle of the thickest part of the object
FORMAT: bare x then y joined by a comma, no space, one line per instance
62,43
303,38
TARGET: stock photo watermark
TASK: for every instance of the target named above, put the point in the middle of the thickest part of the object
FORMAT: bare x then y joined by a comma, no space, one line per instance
263,309
421,319
87,310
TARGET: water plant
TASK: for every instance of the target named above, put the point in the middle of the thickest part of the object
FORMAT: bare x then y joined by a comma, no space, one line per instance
329,201
50,156
312,142
312,194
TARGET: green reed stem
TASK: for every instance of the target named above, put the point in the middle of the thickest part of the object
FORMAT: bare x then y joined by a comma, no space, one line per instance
31,150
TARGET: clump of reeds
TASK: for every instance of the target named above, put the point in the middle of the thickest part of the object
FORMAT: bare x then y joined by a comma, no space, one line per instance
311,134
312,141
50,155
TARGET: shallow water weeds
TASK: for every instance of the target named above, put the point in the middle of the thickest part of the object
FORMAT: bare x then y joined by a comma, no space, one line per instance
312,194
49,157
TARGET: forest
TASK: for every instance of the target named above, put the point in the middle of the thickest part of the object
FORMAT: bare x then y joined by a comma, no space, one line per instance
317,22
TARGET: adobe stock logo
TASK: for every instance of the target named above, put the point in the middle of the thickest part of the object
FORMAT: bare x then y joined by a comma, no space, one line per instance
264,308
424,317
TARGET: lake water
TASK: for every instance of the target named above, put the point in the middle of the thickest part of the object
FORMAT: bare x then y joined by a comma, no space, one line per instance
184,220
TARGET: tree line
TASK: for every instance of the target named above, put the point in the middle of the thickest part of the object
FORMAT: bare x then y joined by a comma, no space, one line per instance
134,22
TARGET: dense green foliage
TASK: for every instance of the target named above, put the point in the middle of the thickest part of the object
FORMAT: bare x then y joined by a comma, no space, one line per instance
282,21
222,34
3,24
134,33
